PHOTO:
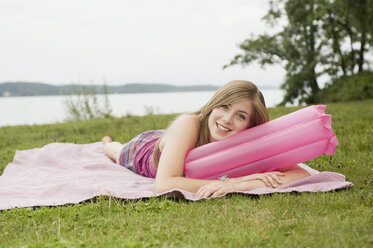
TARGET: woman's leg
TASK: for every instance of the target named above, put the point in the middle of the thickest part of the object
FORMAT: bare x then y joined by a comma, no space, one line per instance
112,149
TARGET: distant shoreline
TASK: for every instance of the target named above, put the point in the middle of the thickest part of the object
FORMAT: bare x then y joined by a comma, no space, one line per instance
16,89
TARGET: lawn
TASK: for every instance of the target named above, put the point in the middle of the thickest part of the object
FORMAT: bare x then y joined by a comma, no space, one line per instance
342,218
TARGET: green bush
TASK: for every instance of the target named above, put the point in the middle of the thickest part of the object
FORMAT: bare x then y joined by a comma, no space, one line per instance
356,87
87,106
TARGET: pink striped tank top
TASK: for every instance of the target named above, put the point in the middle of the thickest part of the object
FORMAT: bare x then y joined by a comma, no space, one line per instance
137,154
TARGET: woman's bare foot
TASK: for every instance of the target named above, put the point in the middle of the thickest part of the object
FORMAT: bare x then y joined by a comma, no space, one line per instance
112,148
106,140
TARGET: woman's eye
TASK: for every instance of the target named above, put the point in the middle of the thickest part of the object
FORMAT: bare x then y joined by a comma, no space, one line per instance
224,106
243,117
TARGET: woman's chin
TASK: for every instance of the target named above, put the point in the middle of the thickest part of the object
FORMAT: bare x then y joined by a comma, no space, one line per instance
218,137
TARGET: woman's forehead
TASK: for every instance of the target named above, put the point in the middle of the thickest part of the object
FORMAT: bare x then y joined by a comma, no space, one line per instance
242,104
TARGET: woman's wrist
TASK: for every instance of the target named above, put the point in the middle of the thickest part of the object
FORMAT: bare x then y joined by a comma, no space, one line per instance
228,179
249,185
243,183
235,179
243,178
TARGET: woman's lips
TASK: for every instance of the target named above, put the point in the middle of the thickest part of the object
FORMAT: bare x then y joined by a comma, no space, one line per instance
222,128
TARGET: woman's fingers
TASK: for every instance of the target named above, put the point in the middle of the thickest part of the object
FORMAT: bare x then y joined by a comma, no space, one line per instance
265,180
203,192
274,178
212,190
199,193
206,194
271,181
219,192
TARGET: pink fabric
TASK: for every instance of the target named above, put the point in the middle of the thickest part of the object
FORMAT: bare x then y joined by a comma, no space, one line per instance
143,157
64,173
137,154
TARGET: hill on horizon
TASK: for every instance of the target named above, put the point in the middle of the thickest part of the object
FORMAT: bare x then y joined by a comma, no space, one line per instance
8,89
41,89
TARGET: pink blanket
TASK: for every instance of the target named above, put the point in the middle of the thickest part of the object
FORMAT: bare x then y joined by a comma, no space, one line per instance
63,173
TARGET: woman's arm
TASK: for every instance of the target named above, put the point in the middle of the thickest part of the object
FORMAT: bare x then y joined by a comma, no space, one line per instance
254,181
288,175
181,136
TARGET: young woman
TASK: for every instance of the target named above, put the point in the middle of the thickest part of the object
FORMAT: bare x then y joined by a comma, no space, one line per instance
236,106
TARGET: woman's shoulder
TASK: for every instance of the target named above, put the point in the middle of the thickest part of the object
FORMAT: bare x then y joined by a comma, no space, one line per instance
185,127
185,122
188,118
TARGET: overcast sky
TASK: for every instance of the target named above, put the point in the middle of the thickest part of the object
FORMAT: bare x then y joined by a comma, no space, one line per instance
125,41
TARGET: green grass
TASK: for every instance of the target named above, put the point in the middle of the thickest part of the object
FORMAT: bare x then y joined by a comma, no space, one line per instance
334,219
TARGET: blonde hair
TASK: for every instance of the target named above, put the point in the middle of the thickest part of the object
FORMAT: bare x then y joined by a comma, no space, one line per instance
229,93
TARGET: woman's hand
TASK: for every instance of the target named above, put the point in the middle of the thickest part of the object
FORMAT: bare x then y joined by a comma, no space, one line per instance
215,189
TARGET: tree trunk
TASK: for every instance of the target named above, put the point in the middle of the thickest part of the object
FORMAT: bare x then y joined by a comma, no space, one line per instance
362,51
313,83
336,45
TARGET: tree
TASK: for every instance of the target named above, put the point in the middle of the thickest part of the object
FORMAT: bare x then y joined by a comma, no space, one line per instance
312,43
348,23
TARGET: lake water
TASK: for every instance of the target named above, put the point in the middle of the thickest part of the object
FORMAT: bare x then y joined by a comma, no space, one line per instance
52,109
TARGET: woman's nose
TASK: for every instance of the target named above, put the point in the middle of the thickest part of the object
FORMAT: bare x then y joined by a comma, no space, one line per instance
228,118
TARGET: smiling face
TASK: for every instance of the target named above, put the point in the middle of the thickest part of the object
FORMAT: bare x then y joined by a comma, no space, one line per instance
229,119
